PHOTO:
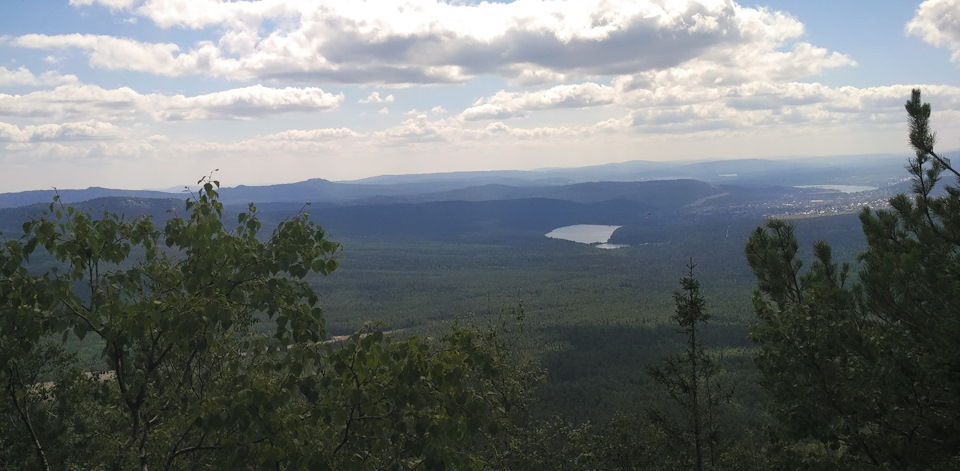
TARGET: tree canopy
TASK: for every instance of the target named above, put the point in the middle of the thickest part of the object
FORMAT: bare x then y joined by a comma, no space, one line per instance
214,354
869,367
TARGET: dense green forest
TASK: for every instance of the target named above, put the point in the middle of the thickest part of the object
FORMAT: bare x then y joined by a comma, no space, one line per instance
215,337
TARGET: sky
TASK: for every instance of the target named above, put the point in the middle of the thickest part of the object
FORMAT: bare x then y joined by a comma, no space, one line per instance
155,94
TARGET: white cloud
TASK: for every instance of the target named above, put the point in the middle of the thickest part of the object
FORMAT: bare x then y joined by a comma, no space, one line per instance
499,130
76,101
756,62
112,53
23,76
510,104
323,134
420,128
112,4
199,14
239,103
375,97
85,130
676,109
425,41
938,23
490,111
82,100
530,74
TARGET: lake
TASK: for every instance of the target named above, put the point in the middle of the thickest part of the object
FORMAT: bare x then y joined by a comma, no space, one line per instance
842,188
593,234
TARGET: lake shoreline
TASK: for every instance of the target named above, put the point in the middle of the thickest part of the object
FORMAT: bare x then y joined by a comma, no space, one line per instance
591,234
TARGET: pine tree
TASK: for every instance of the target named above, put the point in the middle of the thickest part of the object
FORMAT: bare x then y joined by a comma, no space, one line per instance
691,378
872,370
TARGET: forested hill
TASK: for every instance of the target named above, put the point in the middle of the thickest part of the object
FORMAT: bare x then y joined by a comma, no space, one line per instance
26,198
657,193
668,192
481,210
584,184
159,209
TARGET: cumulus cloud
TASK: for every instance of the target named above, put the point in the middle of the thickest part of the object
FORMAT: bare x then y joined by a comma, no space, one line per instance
72,101
113,53
938,23
510,104
198,14
375,97
425,41
674,110
420,128
23,76
765,104
733,108
75,101
500,130
324,134
113,4
86,130
490,111
760,62
239,103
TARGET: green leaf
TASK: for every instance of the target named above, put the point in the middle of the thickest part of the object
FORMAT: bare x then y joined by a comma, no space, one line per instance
80,330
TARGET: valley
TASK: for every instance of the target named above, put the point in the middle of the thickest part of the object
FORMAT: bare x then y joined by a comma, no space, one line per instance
416,259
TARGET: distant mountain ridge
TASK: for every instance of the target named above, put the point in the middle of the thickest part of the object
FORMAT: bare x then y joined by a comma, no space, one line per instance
797,171
545,183
480,211
491,210
26,198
